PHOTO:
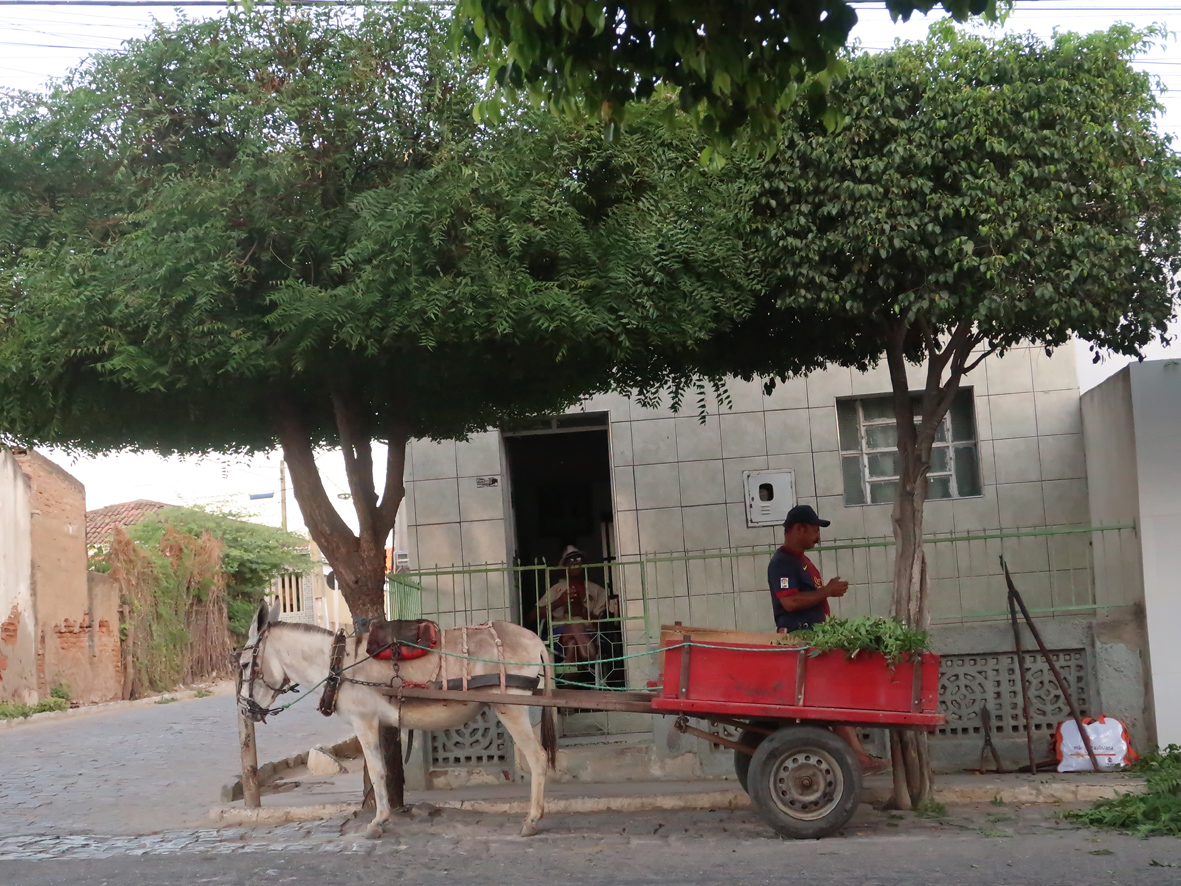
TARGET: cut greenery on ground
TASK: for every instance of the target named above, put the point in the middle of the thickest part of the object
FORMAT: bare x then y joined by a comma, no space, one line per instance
866,633
1157,812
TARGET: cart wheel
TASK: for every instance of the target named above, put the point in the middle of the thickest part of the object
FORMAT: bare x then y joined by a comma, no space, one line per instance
751,739
805,782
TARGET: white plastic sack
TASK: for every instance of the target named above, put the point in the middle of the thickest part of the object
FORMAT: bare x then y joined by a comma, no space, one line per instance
1109,740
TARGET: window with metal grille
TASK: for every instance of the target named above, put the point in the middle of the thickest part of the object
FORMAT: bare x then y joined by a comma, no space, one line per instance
869,450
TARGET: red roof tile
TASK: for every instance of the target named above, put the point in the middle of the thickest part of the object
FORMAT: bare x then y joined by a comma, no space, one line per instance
101,521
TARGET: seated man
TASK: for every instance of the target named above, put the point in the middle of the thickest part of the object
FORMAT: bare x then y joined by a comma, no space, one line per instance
799,599
571,605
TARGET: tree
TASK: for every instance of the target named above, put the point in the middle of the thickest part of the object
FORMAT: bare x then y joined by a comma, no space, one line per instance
734,63
286,227
982,193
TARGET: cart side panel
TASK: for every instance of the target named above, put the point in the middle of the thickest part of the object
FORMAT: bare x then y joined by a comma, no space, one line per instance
761,675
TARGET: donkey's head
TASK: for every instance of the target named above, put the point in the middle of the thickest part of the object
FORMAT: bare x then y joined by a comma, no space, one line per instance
261,679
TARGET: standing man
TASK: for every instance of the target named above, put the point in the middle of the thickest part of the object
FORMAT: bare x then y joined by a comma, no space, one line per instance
799,599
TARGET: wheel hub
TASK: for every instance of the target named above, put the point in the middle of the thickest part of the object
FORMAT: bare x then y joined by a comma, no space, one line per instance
806,783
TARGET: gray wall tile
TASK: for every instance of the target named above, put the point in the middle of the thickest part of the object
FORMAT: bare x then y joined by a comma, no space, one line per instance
477,503
1010,374
1062,457
484,542
826,385
479,455
743,435
433,460
1017,460
1012,415
1066,502
436,501
702,483
788,432
1021,505
661,530
654,441
706,528
697,441
657,486
822,421
791,394
1058,412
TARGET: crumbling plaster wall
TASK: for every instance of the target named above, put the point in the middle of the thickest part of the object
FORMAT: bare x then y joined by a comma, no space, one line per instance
77,641
18,648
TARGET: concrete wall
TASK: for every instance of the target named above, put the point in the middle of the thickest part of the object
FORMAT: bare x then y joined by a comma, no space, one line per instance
1109,437
77,637
18,646
1156,403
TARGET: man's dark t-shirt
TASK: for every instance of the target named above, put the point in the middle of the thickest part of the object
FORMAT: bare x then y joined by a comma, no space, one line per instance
789,573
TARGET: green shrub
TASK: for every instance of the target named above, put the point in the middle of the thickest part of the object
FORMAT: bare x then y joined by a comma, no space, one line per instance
11,710
61,690
1157,812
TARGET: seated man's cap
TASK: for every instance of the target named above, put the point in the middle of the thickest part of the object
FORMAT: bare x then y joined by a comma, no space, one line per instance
571,552
804,514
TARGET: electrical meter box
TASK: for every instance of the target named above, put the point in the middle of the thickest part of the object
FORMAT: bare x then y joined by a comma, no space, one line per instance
769,496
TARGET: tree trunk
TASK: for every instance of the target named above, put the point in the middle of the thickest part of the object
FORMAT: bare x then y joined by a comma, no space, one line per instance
357,558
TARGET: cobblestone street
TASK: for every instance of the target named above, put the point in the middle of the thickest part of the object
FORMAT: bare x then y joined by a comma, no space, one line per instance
122,796
137,769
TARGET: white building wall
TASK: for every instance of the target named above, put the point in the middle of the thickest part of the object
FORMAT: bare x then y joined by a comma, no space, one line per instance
1156,402
18,656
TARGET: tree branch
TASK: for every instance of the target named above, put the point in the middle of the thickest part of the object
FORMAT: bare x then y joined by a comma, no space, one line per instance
357,447
326,526
395,474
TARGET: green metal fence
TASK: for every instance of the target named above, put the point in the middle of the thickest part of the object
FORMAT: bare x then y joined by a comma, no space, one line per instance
1061,571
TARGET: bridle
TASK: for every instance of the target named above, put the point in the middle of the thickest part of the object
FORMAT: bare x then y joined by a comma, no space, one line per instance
248,705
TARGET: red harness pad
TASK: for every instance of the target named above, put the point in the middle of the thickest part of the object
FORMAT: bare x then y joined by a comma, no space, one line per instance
388,641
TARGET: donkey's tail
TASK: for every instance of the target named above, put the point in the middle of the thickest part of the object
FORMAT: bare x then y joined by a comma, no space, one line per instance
549,734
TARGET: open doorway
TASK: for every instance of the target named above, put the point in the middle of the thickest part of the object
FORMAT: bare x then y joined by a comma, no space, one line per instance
560,484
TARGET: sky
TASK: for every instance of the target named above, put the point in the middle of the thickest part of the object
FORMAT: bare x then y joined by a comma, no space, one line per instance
39,43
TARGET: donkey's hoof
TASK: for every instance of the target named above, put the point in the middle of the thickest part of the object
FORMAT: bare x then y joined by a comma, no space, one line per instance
373,832
529,829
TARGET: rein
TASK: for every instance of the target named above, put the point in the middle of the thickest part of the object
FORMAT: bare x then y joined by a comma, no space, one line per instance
249,705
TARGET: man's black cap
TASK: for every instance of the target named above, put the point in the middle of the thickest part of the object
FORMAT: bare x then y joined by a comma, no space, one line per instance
804,514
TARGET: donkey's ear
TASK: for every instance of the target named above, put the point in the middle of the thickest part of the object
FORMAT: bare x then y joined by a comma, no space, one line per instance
260,621
276,611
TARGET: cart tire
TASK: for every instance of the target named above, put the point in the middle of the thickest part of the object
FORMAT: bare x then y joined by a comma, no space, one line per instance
751,739
805,782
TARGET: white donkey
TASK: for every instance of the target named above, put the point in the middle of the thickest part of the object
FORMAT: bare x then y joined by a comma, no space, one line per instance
279,655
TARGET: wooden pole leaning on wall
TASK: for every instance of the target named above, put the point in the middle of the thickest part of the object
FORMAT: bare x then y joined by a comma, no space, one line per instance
1015,596
249,750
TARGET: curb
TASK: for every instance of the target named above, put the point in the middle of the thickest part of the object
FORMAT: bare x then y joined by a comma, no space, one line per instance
725,798
231,791
105,707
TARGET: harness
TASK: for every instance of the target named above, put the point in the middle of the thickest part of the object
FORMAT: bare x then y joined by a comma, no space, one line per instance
332,683
249,705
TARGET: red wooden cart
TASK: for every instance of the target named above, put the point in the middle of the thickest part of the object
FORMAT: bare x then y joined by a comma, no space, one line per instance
803,780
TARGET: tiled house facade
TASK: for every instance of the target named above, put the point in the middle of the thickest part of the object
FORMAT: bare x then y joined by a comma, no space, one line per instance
1012,470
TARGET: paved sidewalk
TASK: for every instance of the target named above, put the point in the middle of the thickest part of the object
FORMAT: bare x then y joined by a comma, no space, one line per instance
137,768
297,796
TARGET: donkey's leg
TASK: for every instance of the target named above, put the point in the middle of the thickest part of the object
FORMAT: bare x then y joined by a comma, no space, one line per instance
516,720
368,735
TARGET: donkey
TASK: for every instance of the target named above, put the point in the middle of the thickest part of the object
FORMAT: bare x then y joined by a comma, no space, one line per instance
279,655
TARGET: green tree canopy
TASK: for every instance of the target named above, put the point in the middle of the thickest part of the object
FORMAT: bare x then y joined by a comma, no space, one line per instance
734,63
983,193
285,226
